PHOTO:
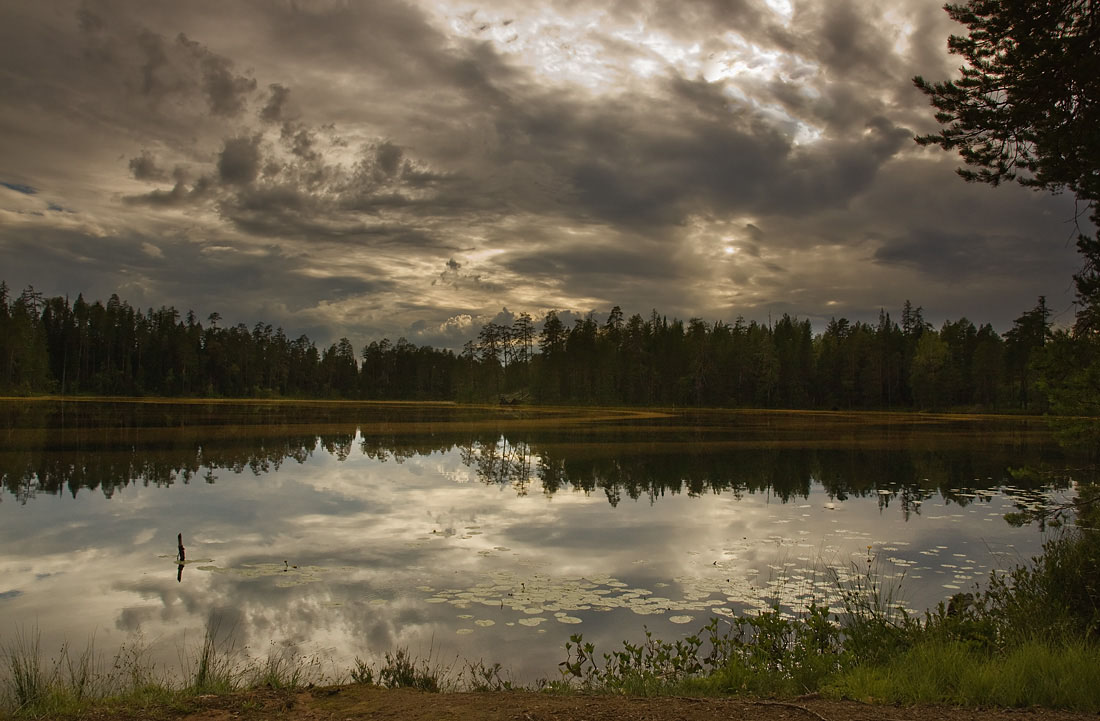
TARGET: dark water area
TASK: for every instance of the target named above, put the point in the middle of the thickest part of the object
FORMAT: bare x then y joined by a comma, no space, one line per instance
343,530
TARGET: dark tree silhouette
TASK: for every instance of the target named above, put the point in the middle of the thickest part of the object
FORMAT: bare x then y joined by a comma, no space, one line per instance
1026,107
1027,103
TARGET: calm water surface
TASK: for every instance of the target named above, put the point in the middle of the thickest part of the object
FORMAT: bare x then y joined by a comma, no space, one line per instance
350,530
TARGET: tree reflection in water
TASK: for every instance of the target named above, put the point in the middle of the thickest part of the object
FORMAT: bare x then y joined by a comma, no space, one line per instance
56,448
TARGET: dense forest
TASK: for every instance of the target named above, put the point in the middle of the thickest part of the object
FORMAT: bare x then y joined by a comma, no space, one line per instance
52,345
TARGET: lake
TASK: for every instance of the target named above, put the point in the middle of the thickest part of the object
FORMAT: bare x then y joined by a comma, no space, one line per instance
335,530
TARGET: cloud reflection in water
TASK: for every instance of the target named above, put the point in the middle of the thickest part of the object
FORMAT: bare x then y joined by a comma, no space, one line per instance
486,544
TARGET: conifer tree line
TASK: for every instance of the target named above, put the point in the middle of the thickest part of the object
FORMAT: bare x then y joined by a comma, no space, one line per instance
49,345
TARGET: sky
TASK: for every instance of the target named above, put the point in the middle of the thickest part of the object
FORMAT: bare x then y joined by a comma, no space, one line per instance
418,168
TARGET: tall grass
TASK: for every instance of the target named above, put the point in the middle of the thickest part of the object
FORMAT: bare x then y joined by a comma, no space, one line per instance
31,684
26,682
216,668
72,680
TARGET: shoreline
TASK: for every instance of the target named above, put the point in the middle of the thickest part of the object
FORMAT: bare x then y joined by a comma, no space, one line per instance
372,702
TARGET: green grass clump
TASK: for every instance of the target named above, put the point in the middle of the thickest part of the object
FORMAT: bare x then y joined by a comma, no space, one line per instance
943,672
401,669
282,671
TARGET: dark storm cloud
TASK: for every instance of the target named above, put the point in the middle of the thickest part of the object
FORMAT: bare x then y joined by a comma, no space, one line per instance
926,220
756,237
926,54
387,158
451,333
239,161
644,164
20,188
835,171
384,177
177,196
227,93
285,187
391,42
253,286
453,277
286,212
272,111
585,264
180,66
953,256
181,194
301,142
849,42
686,148
158,76
109,74
144,167
693,150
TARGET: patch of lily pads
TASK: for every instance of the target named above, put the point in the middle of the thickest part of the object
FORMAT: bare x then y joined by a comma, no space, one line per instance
539,598
727,586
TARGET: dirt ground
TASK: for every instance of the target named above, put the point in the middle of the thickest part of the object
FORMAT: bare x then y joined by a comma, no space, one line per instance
367,702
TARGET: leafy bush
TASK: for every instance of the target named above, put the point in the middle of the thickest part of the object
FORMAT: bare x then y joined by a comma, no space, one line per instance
769,653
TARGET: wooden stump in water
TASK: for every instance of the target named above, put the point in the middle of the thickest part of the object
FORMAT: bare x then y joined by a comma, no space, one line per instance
182,550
